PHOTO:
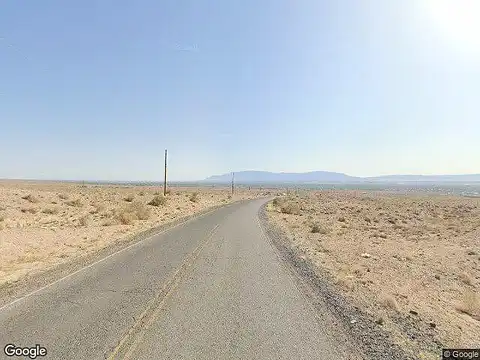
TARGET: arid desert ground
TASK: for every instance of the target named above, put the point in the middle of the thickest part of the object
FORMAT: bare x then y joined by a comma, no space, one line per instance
43,224
409,260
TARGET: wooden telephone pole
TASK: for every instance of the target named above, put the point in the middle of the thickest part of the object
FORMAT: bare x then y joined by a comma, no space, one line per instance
165,176
233,183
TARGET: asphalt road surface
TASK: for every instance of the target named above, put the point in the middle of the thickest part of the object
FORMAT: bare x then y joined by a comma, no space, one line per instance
212,288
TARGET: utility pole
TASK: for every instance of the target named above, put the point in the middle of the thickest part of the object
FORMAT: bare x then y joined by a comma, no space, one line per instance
233,183
165,176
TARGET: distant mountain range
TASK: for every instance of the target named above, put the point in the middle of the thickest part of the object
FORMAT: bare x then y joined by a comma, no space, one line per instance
332,177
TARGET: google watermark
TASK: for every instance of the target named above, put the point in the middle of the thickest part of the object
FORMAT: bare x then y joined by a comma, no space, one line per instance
31,352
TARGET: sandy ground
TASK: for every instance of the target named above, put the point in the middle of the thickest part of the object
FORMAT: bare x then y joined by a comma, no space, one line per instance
405,259
44,224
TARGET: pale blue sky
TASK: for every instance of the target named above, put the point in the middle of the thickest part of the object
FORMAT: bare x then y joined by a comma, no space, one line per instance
98,89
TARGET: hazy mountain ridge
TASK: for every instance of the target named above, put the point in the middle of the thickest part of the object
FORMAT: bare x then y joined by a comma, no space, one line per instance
327,176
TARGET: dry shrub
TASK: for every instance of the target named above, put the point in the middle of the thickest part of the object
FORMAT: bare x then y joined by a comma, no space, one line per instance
318,229
470,305
158,201
50,211
345,282
342,219
29,210
63,196
278,201
126,217
389,302
97,208
30,198
135,211
290,208
109,222
194,197
74,203
141,193
129,198
84,220
466,278
140,210
2,218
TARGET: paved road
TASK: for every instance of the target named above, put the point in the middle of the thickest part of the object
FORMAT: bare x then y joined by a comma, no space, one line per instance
212,288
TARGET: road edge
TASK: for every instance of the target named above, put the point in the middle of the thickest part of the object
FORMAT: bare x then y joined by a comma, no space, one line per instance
372,341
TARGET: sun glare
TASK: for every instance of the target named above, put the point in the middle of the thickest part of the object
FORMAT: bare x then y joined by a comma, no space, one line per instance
458,21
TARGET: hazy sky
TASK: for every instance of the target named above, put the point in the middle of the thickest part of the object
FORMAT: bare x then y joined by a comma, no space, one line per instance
98,89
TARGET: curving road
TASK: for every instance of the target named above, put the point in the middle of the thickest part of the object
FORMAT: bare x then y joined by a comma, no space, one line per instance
212,288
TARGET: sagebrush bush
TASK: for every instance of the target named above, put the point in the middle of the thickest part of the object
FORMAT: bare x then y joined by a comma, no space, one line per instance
29,210
158,201
129,198
135,211
74,203
84,220
318,229
30,198
140,210
50,211
194,197
126,218
290,208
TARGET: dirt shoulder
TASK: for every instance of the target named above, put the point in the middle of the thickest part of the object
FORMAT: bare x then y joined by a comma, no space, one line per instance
408,264
45,226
